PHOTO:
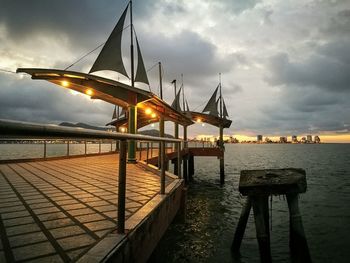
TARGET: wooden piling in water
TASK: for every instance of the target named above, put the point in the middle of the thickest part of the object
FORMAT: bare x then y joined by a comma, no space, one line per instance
222,158
190,167
297,240
242,223
261,216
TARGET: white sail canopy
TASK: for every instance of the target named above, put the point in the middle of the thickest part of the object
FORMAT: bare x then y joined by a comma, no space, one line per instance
110,57
141,75
212,106
187,108
176,102
115,113
225,113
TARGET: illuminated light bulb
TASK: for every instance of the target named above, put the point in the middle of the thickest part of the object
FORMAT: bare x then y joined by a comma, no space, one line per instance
122,129
65,83
203,124
199,120
148,111
89,92
153,115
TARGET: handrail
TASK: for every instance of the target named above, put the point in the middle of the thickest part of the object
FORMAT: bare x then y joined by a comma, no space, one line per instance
32,130
17,129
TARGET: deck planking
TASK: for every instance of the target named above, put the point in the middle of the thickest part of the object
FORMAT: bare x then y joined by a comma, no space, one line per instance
56,210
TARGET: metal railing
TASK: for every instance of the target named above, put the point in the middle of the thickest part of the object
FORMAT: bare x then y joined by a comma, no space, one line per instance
19,130
69,147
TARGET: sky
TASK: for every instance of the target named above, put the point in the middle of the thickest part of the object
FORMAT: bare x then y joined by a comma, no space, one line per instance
285,65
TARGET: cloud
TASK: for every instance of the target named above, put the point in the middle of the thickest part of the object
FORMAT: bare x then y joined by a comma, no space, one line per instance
327,69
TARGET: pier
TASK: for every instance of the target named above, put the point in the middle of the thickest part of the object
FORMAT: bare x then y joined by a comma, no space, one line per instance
86,208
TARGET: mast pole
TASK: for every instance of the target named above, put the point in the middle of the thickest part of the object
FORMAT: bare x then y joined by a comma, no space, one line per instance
183,92
131,46
132,98
160,80
220,96
175,87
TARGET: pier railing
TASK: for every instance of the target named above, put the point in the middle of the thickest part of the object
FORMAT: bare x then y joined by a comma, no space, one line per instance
24,130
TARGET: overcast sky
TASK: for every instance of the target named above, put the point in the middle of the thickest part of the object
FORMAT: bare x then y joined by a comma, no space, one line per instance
285,64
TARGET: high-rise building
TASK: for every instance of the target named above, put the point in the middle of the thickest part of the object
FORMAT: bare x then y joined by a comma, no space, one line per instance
317,139
283,139
309,138
259,138
294,139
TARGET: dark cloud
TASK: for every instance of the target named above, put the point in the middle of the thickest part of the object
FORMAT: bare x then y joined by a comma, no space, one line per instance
328,68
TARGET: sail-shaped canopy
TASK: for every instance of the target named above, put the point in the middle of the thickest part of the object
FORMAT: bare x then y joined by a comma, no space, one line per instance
176,102
115,113
212,106
141,75
123,112
187,108
110,57
225,113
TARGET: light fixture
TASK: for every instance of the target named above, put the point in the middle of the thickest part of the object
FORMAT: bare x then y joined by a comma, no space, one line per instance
65,83
148,111
89,92
122,129
154,115
199,120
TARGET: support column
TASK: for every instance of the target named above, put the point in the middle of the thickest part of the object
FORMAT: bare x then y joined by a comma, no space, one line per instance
132,128
242,223
190,166
185,158
176,135
297,241
162,156
222,158
261,216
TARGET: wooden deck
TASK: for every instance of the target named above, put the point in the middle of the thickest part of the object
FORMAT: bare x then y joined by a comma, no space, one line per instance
56,210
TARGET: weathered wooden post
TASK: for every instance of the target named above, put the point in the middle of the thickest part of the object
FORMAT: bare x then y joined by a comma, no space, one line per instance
122,187
261,216
185,157
297,240
242,223
191,167
258,185
222,157
179,159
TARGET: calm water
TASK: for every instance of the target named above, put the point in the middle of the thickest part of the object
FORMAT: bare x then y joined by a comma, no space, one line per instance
213,211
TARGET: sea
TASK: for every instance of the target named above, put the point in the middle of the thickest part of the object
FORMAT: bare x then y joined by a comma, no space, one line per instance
213,210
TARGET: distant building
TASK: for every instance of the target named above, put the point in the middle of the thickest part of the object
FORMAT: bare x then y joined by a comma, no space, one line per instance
259,138
268,140
283,139
317,139
294,139
303,140
309,138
